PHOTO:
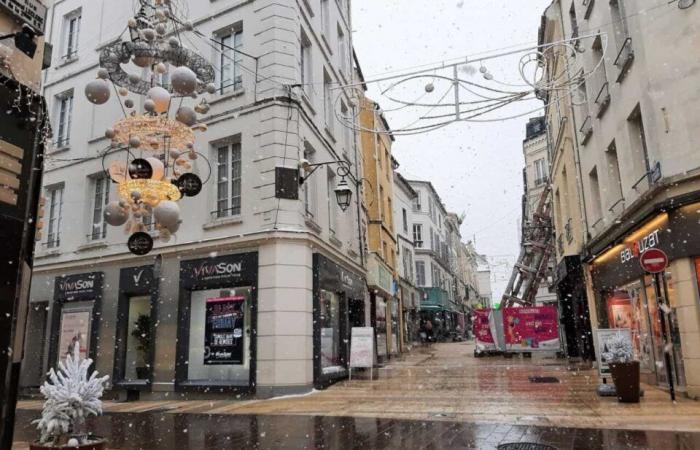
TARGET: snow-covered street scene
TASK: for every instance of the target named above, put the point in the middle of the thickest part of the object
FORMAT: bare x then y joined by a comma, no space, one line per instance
321,224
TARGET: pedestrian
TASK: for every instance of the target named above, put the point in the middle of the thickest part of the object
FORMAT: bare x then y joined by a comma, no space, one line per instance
429,331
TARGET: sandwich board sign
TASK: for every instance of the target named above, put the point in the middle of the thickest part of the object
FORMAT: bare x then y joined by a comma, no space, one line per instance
362,348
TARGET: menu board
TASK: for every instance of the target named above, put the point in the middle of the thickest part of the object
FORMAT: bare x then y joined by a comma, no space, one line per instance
223,330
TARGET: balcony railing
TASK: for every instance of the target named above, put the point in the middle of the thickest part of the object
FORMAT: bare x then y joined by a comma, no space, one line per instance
586,130
568,231
603,99
541,181
624,59
588,4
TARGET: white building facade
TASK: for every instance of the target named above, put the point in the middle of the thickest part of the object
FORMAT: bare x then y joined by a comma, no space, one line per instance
295,265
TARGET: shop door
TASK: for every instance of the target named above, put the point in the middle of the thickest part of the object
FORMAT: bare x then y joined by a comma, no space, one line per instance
672,331
356,313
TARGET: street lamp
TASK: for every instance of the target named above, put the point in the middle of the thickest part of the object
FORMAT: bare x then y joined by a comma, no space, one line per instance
343,193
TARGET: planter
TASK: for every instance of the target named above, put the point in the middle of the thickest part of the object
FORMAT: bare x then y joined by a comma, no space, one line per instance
96,444
626,379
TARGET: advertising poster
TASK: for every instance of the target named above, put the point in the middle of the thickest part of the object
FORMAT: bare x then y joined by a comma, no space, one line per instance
75,330
362,347
620,310
223,330
603,335
532,328
482,330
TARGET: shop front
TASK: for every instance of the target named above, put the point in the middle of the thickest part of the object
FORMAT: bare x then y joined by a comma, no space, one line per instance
573,308
76,315
410,298
137,313
217,323
384,308
336,292
628,297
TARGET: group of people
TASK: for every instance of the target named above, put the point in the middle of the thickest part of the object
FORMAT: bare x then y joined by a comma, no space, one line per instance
426,332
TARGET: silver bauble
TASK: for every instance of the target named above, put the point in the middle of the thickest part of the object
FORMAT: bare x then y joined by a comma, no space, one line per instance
115,215
134,79
186,115
110,133
160,97
161,68
211,88
97,91
129,103
149,105
430,87
132,23
160,29
136,196
174,42
173,229
167,213
143,61
134,141
102,73
123,91
183,80
148,34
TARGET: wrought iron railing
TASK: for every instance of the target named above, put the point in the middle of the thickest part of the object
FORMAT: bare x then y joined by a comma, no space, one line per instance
624,59
569,232
586,130
588,4
603,99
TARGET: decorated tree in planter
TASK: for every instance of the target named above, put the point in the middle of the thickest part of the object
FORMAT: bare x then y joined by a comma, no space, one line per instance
71,396
619,354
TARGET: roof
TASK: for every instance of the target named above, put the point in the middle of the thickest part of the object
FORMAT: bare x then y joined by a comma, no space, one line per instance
442,205
403,183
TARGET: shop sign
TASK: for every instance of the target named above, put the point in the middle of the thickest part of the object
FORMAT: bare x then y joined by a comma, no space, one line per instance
634,249
85,286
336,278
224,270
137,280
223,330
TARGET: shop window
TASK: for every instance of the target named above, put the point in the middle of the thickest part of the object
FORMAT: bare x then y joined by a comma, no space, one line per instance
75,329
219,336
138,339
329,319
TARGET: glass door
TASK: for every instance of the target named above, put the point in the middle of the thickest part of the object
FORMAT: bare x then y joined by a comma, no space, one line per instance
655,329
137,364
673,329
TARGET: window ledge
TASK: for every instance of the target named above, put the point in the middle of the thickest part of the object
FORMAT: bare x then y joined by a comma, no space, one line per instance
335,241
56,150
48,253
93,245
311,223
227,96
307,102
64,61
330,134
222,222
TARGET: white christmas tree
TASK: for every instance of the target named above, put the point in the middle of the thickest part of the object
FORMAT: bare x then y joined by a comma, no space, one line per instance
71,397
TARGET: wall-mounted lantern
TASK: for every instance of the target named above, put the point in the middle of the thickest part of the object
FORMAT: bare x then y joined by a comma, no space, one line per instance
343,192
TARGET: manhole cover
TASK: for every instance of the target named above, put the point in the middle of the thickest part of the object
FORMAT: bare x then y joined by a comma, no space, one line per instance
525,446
538,379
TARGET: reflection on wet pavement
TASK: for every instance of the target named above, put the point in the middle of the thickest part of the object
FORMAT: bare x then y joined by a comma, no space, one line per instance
207,431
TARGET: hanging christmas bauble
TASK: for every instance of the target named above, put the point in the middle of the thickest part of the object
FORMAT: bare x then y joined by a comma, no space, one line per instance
134,79
183,80
160,97
186,115
115,215
140,169
211,88
148,34
110,133
102,73
158,168
134,142
140,243
167,213
129,103
173,42
117,172
143,60
189,184
161,68
97,91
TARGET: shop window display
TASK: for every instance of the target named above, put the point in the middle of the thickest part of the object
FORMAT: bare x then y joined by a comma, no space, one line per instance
380,326
220,335
138,338
330,332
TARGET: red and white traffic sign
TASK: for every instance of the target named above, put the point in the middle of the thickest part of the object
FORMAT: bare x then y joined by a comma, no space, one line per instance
653,260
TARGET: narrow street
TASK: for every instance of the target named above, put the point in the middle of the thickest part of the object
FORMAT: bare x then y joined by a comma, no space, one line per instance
444,398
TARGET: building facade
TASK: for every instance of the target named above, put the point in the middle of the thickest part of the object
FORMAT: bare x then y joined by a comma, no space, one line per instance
408,292
292,268
378,185
536,178
639,170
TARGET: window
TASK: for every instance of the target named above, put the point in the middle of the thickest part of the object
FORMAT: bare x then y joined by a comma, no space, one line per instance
638,143
310,195
595,195
71,33
540,172
64,113
327,101
619,22
407,261
615,181
228,180
326,18
306,68
100,199
55,206
332,204
418,235
342,53
347,131
230,60
420,273
404,220
431,213
417,206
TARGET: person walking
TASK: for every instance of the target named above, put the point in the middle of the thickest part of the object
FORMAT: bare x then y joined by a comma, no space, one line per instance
429,332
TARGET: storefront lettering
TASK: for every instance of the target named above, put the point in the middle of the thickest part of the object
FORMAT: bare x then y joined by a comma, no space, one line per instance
636,248
78,285
223,268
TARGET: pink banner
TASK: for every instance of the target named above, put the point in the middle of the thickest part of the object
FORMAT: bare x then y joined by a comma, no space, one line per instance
481,329
531,328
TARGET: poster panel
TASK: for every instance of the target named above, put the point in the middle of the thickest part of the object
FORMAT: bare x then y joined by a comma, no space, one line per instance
362,347
223,330
602,336
532,328
75,329
482,330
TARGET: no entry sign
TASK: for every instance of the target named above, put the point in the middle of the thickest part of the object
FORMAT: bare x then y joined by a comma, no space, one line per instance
653,260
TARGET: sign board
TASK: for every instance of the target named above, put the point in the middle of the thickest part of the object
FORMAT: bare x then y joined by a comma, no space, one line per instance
224,330
32,12
602,336
84,286
653,260
362,347
482,330
532,328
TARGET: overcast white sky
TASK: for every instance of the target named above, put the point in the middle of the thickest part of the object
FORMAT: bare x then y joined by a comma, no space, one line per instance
476,168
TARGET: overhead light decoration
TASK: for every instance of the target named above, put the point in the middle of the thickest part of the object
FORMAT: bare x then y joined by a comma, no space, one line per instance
153,158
